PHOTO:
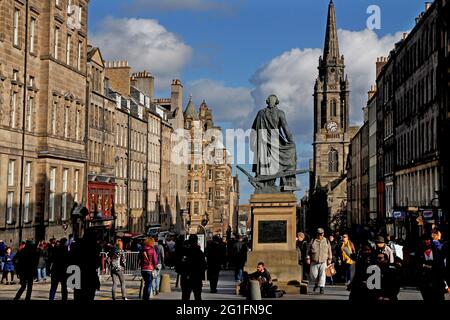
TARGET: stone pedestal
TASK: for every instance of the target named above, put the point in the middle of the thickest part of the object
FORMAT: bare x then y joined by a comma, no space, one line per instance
273,237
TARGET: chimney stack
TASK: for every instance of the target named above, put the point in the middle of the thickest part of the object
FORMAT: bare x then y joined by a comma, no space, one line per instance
372,91
118,73
381,62
144,82
176,99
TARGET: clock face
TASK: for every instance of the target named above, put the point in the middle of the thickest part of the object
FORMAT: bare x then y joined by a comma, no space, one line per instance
332,126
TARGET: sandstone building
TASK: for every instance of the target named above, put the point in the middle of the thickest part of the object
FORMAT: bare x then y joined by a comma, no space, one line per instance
43,159
211,187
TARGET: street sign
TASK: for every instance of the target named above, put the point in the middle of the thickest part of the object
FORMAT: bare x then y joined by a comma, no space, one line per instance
398,214
428,214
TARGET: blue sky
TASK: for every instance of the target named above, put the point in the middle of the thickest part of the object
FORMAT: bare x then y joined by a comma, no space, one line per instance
233,53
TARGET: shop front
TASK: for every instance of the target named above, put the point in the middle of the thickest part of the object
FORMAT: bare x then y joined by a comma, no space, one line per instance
101,198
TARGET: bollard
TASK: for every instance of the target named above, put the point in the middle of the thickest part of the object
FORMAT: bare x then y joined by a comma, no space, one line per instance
165,283
255,290
303,288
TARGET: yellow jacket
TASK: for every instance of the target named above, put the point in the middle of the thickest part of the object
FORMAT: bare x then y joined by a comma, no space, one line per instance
345,256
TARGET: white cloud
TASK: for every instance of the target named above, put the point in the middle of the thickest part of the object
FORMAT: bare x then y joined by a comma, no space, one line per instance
229,104
291,77
360,49
146,45
178,5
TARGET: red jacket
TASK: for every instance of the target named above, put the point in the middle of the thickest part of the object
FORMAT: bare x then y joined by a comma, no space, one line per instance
148,259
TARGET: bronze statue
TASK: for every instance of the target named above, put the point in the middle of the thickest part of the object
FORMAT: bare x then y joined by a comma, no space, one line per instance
274,150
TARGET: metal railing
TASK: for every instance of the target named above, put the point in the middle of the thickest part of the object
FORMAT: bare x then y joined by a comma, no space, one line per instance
132,266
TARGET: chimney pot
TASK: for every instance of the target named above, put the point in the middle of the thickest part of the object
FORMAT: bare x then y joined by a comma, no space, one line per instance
427,5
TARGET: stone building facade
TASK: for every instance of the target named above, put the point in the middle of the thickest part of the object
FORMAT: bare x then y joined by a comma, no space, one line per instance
167,206
178,170
358,177
410,119
42,111
135,186
443,81
101,146
210,186
123,118
372,123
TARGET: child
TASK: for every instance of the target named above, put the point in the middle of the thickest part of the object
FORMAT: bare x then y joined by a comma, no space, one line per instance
8,266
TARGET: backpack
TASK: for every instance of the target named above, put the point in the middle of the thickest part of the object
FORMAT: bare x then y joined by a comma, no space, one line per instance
116,262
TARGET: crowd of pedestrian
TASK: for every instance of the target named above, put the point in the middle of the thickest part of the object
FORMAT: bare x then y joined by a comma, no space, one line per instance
35,262
357,263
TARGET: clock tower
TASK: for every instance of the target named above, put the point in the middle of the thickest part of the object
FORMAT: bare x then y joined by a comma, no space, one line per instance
331,110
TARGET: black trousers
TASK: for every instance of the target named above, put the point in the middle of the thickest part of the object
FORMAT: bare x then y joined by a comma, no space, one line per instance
188,285
213,277
26,282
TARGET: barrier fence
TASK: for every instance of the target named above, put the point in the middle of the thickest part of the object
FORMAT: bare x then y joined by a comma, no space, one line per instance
132,266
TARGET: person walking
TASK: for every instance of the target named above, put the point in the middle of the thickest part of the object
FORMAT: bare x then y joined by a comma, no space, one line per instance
26,261
8,266
390,279
301,245
347,251
381,247
177,256
42,263
431,272
161,258
59,264
215,255
192,268
358,288
85,252
334,247
319,257
239,258
117,262
148,260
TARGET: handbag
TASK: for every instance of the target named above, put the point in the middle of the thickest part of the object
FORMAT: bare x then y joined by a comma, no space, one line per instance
330,271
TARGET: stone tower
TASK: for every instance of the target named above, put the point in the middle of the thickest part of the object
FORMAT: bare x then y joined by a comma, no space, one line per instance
331,109
332,133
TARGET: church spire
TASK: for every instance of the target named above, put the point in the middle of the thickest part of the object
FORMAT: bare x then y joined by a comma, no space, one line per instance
331,48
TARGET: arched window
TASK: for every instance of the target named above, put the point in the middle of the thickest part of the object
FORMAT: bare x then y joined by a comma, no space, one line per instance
333,161
333,108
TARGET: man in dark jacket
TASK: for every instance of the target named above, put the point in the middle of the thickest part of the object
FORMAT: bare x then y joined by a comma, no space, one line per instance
265,280
85,253
239,258
358,288
59,264
26,261
192,269
431,272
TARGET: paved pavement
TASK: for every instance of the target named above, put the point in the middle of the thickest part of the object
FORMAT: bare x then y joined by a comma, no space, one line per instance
226,291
